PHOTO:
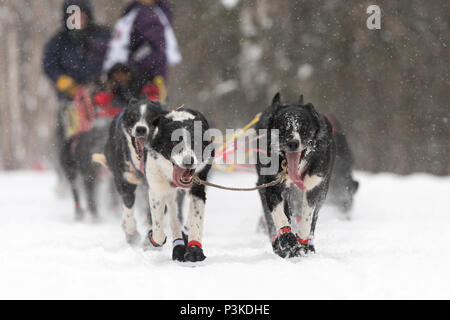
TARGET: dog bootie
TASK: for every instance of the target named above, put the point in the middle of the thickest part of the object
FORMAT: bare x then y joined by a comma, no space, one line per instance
307,246
179,250
276,248
150,243
194,252
288,246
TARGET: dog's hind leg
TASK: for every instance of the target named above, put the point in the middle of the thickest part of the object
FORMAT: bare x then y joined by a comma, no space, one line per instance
89,181
70,168
76,198
269,224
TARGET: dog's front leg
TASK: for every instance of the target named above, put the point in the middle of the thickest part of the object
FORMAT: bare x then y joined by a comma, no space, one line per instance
285,243
313,197
194,251
157,236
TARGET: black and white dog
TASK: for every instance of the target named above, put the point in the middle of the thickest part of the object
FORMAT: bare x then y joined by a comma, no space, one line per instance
178,152
148,143
125,152
305,144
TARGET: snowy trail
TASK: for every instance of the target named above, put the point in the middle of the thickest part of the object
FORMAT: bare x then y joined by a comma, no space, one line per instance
396,246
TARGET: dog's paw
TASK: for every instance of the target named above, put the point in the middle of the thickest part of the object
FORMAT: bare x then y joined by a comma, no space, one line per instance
194,253
288,246
79,214
307,246
308,249
179,250
276,248
150,243
133,239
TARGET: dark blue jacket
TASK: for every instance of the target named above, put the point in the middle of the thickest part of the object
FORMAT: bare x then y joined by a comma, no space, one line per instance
79,56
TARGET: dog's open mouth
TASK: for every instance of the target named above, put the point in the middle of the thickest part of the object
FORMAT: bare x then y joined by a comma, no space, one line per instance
139,145
182,178
293,162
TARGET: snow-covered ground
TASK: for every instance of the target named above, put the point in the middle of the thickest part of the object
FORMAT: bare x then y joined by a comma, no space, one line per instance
396,246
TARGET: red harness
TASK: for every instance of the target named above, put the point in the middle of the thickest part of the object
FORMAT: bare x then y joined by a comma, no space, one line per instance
334,123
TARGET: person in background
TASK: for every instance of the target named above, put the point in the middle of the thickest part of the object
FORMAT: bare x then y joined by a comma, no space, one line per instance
144,40
73,57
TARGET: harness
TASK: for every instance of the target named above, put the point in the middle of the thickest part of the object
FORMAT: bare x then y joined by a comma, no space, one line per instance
281,179
333,122
226,149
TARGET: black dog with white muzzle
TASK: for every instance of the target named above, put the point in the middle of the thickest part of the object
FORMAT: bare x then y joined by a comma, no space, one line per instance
305,145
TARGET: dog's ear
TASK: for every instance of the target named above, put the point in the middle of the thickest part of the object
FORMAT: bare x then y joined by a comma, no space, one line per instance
301,100
156,121
276,101
312,110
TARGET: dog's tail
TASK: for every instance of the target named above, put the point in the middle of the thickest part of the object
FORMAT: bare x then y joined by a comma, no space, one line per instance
130,176
100,159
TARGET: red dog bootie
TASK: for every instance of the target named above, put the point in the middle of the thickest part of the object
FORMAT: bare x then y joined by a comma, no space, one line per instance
153,242
307,245
194,252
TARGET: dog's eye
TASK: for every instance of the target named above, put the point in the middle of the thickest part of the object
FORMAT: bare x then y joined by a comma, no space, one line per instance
304,127
133,117
174,143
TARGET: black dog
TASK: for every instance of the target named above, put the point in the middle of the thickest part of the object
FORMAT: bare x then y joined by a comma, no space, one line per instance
178,152
342,185
75,158
126,154
305,145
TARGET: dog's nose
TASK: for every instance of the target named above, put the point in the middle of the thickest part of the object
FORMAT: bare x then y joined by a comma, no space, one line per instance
141,131
188,162
293,145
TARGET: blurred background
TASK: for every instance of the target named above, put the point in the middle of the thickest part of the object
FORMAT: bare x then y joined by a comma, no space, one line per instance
389,88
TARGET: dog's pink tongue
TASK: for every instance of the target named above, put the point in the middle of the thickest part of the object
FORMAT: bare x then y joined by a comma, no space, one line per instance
293,162
140,143
178,173
140,146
